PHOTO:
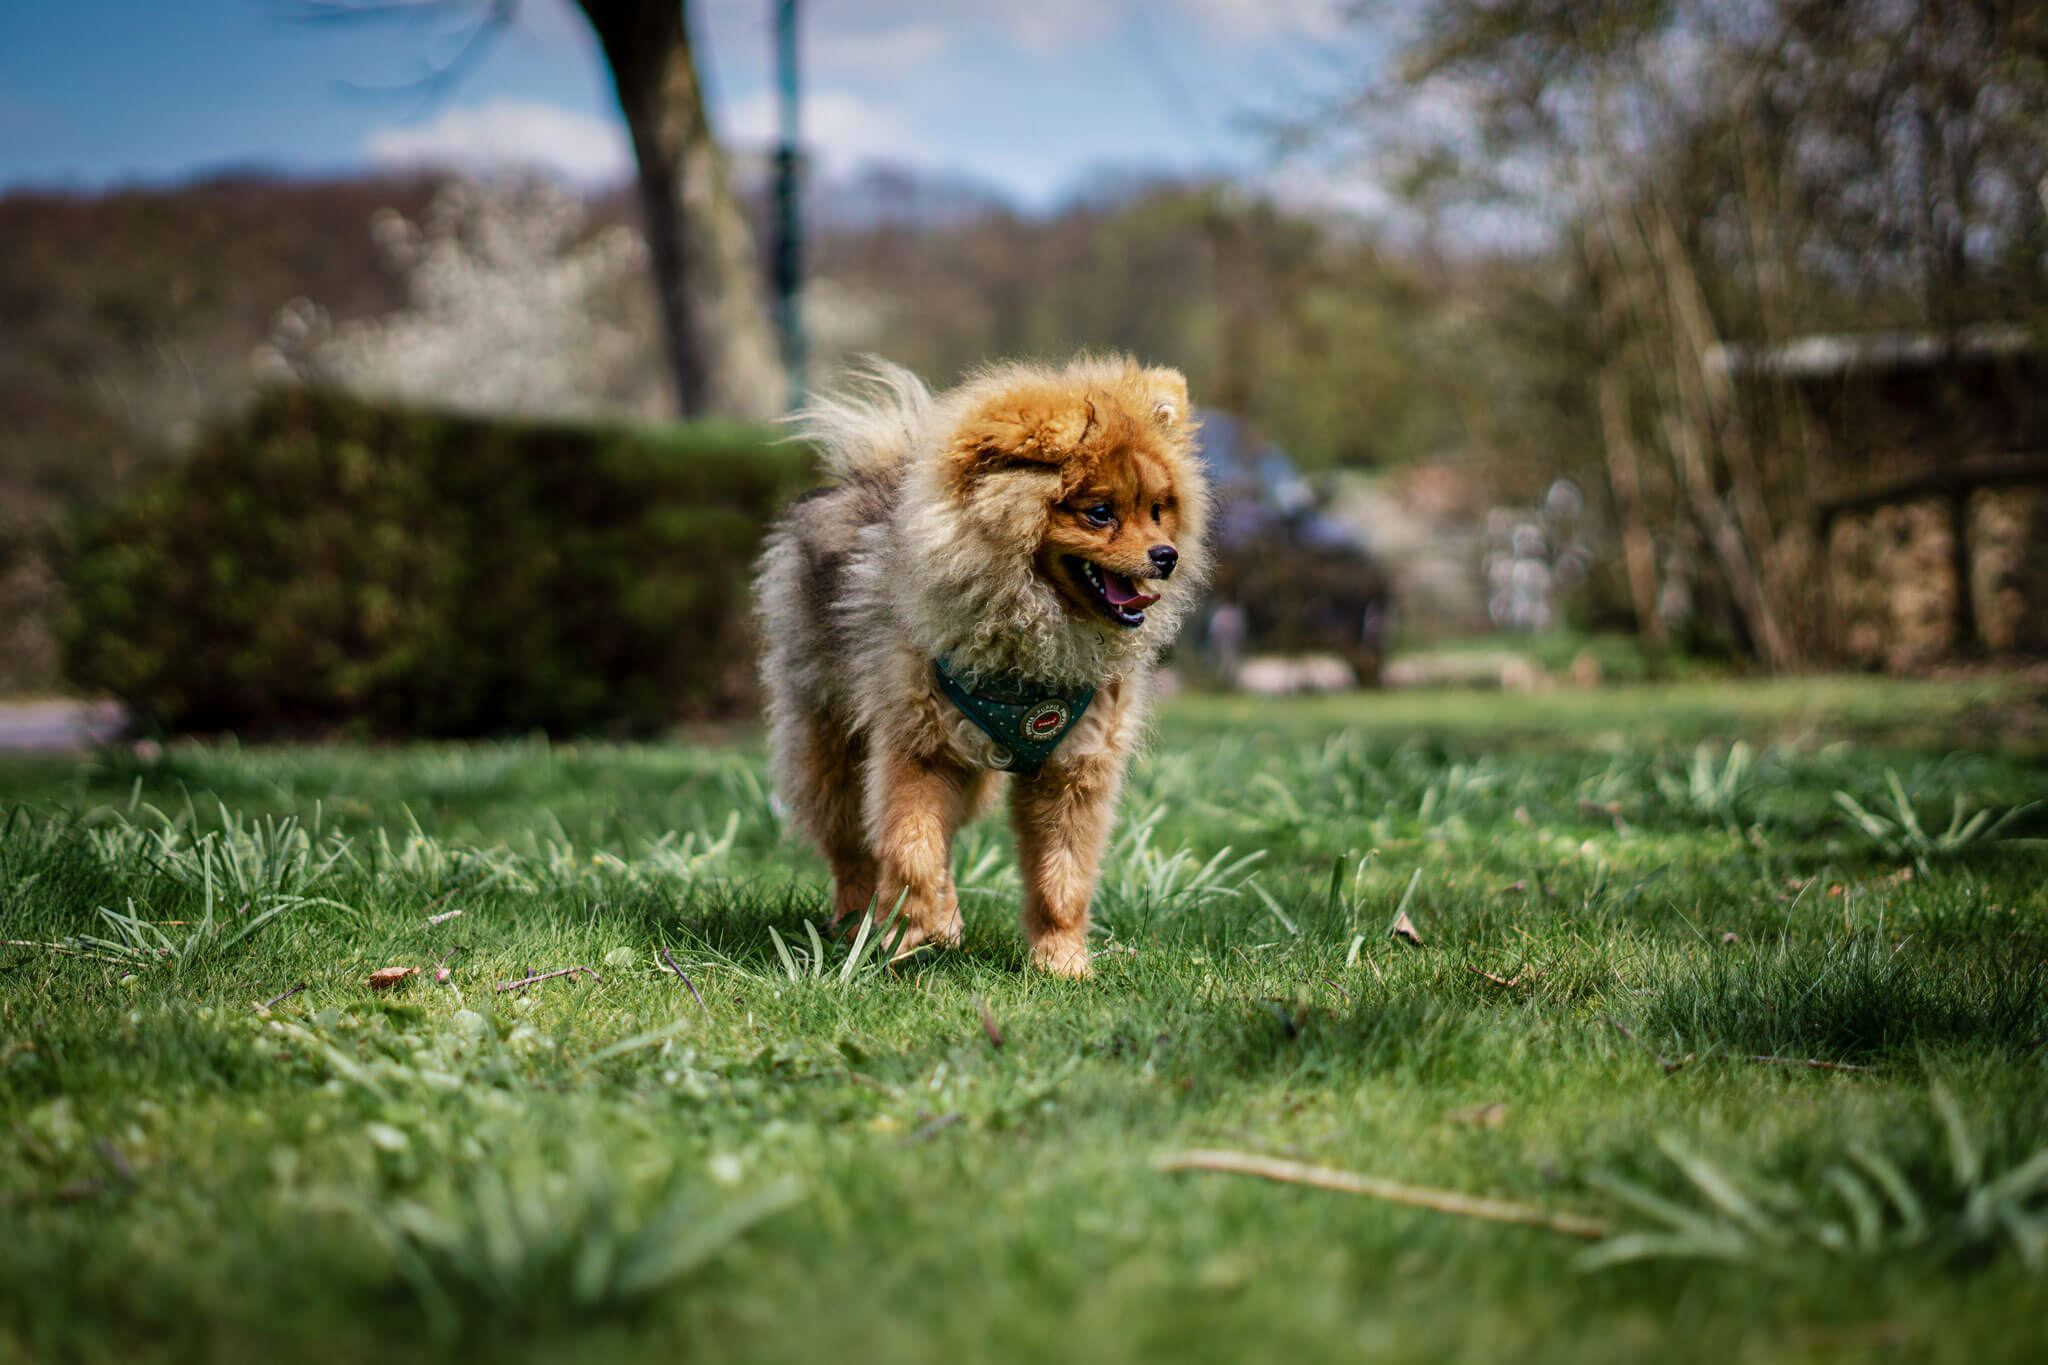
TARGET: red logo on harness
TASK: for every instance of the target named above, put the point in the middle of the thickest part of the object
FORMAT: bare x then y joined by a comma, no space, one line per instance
1046,718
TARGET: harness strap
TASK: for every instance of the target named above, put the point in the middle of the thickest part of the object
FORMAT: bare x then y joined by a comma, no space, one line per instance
1027,721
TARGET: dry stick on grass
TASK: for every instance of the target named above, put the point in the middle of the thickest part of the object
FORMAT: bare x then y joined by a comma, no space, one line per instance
1810,1062
443,917
282,996
70,1194
1670,1067
113,1157
445,896
988,1021
1390,1191
686,979
936,1126
529,980
63,948
1376,971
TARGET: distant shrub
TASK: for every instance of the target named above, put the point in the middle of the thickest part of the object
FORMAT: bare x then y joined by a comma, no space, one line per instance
326,564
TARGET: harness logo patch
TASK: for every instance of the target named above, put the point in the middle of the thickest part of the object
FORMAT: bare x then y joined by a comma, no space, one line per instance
1046,719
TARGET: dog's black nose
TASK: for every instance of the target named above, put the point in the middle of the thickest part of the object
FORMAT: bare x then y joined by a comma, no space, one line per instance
1163,558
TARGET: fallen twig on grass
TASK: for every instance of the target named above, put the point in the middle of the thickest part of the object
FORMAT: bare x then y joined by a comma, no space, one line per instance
1514,982
1390,1191
1481,1115
988,1021
446,896
64,948
443,917
113,1157
280,997
69,1194
1335,987
531,979
1670,1067
1370,963
1811,1062
686,979
937,1125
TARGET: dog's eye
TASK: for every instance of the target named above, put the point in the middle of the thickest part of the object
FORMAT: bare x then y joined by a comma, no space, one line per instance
1101,514
1158,509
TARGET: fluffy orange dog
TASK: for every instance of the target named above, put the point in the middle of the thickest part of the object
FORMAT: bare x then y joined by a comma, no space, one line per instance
978,599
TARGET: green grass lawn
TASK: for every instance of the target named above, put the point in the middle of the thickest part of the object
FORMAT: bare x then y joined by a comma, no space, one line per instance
832,1158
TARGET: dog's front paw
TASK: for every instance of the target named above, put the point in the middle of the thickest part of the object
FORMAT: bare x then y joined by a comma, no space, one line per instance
1066,957
916,937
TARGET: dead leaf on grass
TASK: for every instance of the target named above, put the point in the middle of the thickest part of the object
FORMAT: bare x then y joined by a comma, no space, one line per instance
1404,928
384,978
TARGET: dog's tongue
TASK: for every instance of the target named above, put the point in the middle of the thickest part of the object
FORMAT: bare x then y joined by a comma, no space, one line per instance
1123,593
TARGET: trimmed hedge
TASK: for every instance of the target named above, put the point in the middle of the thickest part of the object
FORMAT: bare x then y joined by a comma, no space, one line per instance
327,564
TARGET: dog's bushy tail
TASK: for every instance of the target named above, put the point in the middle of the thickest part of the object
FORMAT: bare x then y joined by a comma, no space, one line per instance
871,422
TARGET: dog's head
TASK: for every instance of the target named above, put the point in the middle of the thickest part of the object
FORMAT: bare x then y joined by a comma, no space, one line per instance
1089,473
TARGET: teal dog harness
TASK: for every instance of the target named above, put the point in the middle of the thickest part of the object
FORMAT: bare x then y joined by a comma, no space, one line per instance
1027,721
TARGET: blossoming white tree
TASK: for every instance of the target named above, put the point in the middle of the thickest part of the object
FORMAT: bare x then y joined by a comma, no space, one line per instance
722,353
514,306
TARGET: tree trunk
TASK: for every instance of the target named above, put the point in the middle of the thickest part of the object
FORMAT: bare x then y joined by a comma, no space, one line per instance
723,357
1623,473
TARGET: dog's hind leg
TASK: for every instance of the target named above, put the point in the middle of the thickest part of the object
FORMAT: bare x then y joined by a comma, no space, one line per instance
837,761
821,762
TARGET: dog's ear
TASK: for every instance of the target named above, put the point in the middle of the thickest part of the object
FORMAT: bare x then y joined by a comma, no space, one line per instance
1169,391
1022,428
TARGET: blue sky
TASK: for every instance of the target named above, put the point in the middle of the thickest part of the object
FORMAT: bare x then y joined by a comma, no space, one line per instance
1029,96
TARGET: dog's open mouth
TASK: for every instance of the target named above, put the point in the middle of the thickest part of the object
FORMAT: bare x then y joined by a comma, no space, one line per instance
1117,596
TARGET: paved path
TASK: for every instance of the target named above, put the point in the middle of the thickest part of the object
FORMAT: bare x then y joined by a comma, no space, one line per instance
58,726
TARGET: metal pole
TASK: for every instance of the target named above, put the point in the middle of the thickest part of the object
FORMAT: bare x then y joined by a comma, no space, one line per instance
789,271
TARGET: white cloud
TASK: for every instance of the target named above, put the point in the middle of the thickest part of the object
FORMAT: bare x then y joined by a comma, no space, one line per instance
1256,19
1045,26
553,23
840,129
868,52
507,135
896,35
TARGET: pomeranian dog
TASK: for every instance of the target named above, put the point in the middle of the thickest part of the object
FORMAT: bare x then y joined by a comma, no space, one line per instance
978,600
